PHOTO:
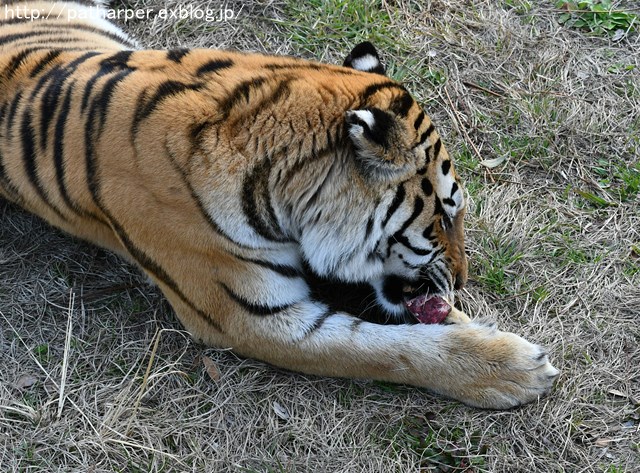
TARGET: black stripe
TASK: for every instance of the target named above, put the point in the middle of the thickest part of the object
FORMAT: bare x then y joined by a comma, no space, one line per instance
446,166
176,55
239,92
51,94
454,189
375,254
156,270
17,61
256,203
27,136
426,134
3,109
440,278
273,219
44,78
399,236
372,89
395,204
436,148
319,322
438,209
253,308
369,227
448,283
108,65
92,132
73,65
209,219
118,60
417,251
311,66
15,20
5,181
427,187
101,102
44,62
282,270
418,121
88,88
282,91
294,65
12,112
449,201
49,101
358,299
427,232
164,90
18,36
330,139
213,66
58,150
196,130
310,204
98,109
402,104
418,206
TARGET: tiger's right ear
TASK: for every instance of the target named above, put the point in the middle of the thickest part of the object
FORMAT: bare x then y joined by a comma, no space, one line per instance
375,135
364,57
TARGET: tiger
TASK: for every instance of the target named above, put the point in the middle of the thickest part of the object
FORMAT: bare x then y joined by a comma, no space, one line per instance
299,213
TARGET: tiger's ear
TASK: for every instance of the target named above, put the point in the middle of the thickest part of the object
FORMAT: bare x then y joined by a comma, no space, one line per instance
364,57
378,138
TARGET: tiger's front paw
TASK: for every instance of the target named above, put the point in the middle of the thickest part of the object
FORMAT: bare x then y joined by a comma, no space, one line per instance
500,370
457,317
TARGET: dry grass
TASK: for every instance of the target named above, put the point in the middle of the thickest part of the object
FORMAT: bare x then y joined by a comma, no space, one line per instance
554,237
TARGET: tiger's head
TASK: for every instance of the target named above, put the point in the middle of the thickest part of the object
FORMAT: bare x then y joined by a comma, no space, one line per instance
389,233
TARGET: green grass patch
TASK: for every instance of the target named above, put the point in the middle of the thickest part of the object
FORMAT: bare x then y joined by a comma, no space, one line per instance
317,24
631,269
41,352
596,16
530,149
571,254
615,469
593,199
619,179
450,454
520,6
620,68
493,269
540,294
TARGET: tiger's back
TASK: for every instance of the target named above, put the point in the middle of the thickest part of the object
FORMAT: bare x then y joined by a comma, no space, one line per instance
271,199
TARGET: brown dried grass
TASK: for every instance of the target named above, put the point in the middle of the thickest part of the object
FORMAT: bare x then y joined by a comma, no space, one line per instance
546,263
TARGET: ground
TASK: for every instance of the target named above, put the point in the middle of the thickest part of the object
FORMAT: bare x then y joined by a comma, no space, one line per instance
543,121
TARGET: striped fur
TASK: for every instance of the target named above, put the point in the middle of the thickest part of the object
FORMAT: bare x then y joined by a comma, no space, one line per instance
284,207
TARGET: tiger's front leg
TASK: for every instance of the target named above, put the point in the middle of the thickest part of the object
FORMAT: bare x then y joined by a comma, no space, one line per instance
471,362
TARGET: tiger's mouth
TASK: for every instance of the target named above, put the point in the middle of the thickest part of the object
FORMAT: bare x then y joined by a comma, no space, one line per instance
426,308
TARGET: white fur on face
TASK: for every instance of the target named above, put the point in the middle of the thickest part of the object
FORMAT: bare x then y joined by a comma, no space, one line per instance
445,184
